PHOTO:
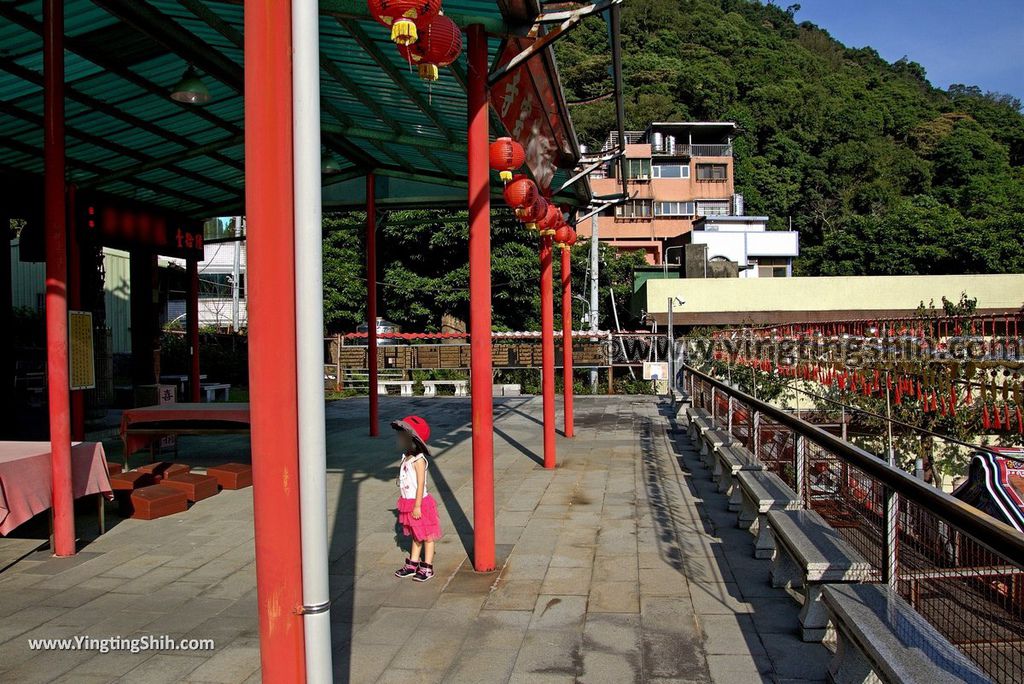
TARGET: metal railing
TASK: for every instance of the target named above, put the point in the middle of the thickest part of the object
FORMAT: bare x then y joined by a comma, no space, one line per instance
699,150
962,570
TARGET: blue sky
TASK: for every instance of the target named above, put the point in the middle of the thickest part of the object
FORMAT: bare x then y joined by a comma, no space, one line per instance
977,42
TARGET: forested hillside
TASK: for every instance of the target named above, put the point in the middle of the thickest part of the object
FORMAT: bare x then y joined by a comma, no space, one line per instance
880,172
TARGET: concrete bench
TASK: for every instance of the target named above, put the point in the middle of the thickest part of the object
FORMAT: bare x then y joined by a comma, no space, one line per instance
760,491
698,426
430,387
404,386
808,554
508,390
880,637
694,413
211,389
730,459
710,441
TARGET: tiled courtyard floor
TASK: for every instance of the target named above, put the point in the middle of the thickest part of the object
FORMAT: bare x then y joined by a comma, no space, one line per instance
621,565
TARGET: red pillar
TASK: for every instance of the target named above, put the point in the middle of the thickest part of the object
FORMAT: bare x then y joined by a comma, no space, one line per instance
371,299
55,219
192,328
567,389
75,304
480,301
272,363
547,343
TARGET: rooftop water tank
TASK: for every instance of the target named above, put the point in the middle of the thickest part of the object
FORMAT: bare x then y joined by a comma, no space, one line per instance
657,142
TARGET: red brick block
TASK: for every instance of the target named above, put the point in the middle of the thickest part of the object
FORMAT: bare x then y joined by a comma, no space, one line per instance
156,501
162,469
232,475
133,479
196,487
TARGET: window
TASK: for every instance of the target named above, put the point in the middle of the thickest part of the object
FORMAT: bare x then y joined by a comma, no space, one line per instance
638,168
671,170
771,267
713,208
711,172
634,209
673,209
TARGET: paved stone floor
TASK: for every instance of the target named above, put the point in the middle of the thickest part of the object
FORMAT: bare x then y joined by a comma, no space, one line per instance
621,565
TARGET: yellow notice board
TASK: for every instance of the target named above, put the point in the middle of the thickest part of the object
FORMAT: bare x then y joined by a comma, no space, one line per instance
80,350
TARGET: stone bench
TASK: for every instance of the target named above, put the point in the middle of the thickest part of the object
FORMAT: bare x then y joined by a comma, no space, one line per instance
404,387
430,387
698,426
760,491
730,459
508,390
710,441
808,554
211,389
880,637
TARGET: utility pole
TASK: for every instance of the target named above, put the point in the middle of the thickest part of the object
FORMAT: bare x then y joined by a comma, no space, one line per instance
236,269
594,258
671,351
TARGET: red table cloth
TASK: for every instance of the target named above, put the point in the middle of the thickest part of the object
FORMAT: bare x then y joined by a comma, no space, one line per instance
176,416
25,478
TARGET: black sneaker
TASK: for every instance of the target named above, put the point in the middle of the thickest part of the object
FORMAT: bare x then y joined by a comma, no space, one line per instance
425,572
407,570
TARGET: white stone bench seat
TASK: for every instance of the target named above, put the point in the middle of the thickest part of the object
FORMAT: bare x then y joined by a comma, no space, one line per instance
430,387
211,389
712,440
404,386
880,637
730,459
808,554
760,491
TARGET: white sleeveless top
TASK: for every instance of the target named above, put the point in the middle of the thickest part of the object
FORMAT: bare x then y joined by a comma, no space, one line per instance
407,476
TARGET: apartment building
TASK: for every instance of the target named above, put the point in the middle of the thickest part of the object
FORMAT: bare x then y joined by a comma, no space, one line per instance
676,173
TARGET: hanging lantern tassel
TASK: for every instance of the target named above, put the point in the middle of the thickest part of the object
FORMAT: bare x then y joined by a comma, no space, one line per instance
998,415
986,422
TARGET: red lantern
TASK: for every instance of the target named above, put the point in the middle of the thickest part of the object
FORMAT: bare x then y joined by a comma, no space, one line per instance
572,239
562,234
521,192
533,213
402,16
549,224
439,44
506,156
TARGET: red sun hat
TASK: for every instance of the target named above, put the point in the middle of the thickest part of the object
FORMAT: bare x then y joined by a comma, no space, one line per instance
417,428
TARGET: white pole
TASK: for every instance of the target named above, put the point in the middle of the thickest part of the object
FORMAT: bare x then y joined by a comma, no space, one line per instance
236,269
309,325
594,258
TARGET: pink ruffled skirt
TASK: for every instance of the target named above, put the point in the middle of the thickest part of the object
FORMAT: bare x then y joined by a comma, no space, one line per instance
427,527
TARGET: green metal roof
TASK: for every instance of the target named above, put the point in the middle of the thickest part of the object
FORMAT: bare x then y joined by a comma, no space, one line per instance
125,136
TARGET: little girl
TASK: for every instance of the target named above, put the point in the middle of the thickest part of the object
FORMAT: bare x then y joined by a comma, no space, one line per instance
417,511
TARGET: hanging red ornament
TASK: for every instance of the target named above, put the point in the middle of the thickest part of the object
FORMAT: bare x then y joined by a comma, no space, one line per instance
551,221
439,44
986,422
1006,420
533,213
506,156
562,235
997,415
573,237
402,16
521,192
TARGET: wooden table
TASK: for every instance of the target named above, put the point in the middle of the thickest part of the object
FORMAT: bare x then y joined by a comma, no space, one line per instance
140,427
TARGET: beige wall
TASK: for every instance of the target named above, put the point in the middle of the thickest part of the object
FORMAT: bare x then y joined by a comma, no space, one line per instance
769,300
629,233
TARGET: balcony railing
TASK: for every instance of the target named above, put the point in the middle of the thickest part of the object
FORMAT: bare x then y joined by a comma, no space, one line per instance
960,569
697,150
